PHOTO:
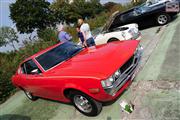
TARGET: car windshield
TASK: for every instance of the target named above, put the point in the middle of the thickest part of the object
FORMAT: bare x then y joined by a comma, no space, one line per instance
97,31
143,8
58,54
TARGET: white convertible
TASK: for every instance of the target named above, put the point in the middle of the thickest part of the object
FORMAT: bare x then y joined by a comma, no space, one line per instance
126,32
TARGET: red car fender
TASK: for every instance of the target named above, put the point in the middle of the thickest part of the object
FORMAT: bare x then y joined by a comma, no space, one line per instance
73,87
83,88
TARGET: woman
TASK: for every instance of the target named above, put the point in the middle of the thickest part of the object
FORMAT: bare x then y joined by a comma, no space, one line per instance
80,36
62,35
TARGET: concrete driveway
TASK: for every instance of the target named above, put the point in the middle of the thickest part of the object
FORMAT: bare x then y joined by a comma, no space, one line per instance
155,92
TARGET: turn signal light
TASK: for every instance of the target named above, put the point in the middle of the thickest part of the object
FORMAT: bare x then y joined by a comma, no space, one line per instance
94,90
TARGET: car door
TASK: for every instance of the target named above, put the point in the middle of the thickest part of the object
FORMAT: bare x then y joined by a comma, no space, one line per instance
37,83
33,79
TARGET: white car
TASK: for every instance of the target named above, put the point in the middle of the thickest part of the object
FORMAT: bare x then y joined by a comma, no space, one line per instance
126,32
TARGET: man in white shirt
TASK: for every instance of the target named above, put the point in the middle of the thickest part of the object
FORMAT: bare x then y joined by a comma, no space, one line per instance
85,29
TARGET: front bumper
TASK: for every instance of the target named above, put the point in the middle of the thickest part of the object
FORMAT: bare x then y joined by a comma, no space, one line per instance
128,71
136,36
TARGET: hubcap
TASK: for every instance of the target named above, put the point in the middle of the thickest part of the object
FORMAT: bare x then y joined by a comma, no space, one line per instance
162,19
28,94
82,103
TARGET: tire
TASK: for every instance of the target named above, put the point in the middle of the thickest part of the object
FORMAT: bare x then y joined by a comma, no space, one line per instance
112,40
163,19
81,100
30,96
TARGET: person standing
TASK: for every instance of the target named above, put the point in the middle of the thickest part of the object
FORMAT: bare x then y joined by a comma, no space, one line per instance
80,35
85,29
63,36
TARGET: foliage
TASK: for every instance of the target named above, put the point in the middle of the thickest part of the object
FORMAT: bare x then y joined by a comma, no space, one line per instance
98,21
109,5
70,12
2,36
9,63
48,34
31,14
8,36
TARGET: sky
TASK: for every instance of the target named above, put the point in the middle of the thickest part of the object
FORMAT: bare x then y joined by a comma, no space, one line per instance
6,21
4,10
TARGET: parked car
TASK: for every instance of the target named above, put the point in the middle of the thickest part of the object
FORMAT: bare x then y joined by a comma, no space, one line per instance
126,32
84,76
157,2
143,14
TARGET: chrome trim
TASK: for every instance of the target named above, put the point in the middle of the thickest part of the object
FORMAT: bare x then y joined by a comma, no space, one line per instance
126,75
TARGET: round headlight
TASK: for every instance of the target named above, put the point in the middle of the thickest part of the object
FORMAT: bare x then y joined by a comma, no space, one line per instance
108,82
111,79
117,74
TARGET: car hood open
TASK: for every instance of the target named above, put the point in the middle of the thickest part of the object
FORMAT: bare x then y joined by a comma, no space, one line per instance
100,61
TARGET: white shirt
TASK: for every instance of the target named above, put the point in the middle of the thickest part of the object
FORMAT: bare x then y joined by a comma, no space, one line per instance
86,30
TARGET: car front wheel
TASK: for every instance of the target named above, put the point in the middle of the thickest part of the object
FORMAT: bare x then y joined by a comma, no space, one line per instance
85,104
163,19
30,96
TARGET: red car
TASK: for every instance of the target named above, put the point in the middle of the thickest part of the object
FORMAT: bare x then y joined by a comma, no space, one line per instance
87,77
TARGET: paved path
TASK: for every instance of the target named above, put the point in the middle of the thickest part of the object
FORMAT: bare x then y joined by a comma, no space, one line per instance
154,91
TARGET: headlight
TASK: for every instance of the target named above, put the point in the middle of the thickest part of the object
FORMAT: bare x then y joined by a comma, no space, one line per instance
136,25
107,83
117,74
139,48
123,35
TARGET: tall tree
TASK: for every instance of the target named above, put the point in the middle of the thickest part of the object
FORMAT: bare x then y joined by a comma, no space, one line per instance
31,14
8,35
69,12
2,36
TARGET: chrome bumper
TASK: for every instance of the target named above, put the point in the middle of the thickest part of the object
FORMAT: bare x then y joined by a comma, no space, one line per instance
126,74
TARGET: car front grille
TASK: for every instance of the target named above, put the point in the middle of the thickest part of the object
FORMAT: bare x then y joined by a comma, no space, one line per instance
127,70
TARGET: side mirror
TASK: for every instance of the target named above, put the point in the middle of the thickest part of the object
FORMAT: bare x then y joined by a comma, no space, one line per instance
35,71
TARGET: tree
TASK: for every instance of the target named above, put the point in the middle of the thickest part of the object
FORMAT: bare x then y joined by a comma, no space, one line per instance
69,12
109,5
8,36
2,36
32,14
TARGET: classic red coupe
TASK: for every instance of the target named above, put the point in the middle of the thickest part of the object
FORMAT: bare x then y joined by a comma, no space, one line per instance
87,77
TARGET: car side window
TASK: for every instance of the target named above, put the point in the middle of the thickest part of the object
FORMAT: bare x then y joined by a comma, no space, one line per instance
29,67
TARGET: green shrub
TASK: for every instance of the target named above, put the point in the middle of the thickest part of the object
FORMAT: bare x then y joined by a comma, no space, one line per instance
9,63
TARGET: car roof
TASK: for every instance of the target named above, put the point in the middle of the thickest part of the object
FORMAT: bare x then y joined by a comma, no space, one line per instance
41,52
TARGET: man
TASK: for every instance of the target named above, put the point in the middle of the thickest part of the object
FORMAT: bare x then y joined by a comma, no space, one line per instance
62,35
85,29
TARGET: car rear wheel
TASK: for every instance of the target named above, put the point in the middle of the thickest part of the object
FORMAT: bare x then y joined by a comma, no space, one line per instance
163,19
30,96
85,104
112,40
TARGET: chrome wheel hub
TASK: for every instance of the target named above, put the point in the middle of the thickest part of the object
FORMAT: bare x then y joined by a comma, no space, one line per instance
82,103
28,94
162,19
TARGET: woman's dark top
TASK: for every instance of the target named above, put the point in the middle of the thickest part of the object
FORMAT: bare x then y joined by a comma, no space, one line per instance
80,35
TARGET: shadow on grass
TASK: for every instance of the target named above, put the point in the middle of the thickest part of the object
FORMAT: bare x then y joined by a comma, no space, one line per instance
14,117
